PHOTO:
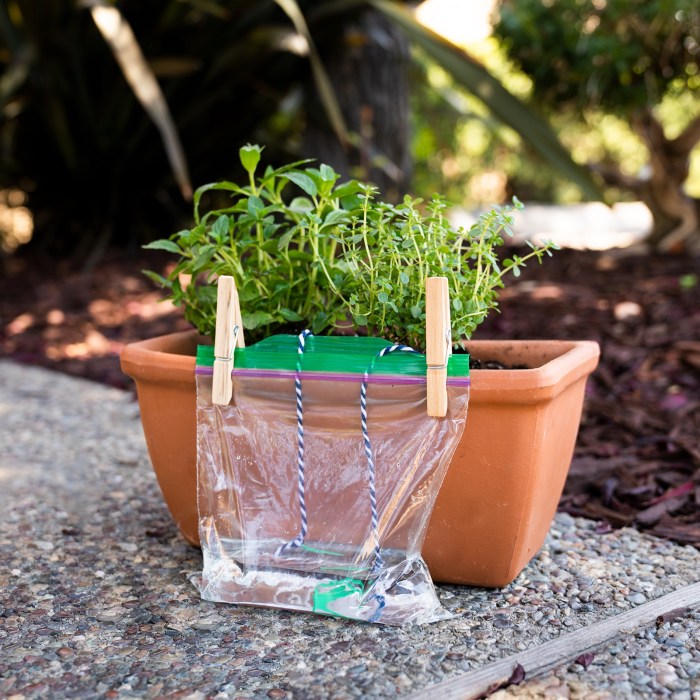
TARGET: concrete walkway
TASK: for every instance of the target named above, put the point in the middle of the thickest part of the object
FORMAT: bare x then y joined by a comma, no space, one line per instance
95,599
586,226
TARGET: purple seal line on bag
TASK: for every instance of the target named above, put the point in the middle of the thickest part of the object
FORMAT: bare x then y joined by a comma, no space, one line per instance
393,379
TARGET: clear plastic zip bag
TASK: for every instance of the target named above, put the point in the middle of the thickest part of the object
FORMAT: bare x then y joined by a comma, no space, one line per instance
317,481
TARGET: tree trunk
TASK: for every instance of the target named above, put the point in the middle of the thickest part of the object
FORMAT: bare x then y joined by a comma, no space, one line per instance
676,215
366,57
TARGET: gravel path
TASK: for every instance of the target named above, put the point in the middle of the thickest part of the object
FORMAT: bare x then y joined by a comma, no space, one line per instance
95,599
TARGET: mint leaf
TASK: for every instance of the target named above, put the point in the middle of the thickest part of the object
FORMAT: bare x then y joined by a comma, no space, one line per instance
255,319
289,315
250,157
164,244
303,181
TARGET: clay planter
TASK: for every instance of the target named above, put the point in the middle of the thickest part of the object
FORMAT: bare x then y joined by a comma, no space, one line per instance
504,482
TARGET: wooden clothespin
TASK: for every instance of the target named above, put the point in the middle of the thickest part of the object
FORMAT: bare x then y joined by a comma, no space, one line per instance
228,336
438,337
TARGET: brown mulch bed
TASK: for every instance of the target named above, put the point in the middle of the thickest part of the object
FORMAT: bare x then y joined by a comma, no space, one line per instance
637,460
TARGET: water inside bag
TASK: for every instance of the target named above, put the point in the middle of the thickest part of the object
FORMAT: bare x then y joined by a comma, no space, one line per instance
314,497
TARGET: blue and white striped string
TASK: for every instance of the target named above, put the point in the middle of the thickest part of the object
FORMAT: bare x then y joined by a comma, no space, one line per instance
301,487
298,541
378,560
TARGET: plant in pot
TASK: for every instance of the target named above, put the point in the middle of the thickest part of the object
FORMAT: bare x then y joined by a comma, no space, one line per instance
336,259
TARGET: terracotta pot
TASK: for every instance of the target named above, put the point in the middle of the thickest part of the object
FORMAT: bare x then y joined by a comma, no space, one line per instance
504,482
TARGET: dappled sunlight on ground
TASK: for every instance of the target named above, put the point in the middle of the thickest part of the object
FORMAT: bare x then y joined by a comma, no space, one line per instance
67,320
537,291
16,220
53,327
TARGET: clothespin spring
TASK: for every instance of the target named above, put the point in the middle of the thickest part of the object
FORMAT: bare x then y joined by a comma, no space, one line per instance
233,349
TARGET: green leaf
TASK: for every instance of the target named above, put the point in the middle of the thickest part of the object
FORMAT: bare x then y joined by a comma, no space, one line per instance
184,235
248,292
271,174
220,228
457,304
164,244
405,279
255,206
335,217
204,255
255,319
416,311
289,315
351,202
302,180
250,157
347,189
300,255
301,205
320,322
360,319
383,297
213,186
158,279
327,173
286,238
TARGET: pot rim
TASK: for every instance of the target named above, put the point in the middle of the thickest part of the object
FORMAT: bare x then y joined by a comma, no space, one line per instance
170,358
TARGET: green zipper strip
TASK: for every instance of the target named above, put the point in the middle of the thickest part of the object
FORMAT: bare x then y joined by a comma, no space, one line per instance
339,354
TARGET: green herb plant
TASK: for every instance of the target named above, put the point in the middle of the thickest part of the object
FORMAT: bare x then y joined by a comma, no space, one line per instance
276,249
391,250
334,257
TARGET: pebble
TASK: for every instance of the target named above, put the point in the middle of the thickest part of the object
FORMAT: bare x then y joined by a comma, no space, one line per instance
639,677
692,668
107,610
615,668
128,547
681,695
673,642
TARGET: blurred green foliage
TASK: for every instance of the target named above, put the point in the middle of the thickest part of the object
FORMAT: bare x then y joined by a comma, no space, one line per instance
619,81
588,59
620,55
76,140
462,151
